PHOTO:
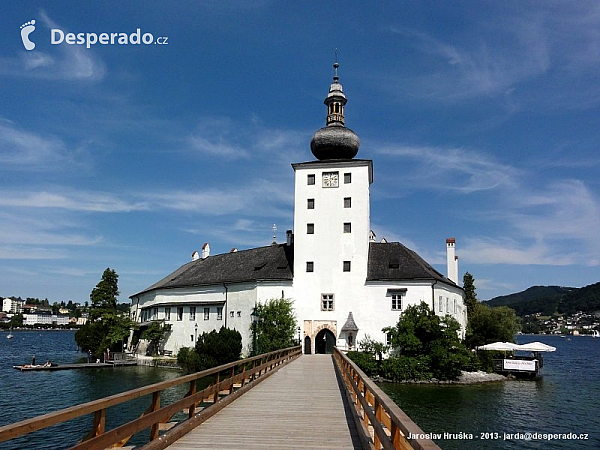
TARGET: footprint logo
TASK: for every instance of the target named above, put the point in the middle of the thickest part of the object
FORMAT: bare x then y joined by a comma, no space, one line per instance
26,30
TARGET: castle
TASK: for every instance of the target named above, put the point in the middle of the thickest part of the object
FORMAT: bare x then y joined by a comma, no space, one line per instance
343,283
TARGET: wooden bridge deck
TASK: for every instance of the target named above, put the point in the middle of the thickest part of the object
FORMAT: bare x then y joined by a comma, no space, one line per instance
300,406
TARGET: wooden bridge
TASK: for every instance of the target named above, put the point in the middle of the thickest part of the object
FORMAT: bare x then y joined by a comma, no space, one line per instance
283,400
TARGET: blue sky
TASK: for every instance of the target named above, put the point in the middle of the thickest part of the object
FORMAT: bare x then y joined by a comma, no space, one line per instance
481,118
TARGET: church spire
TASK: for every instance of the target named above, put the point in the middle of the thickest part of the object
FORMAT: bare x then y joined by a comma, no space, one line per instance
335,141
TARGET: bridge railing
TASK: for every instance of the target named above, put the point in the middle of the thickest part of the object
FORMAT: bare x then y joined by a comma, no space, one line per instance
230,381
382,423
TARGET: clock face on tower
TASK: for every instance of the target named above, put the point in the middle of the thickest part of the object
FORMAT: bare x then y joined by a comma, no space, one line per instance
331,179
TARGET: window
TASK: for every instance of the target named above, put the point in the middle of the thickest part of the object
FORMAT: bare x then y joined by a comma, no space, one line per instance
219,313
310,179
310,266
192,313
192,337
350,340
310,228
154,313
396,302
346,266
440,304
239,314
396,296
180,313
454,306
348,202
167,313
310,203
347,178
206,313
447,305
326,302
231,313
388,339
347,227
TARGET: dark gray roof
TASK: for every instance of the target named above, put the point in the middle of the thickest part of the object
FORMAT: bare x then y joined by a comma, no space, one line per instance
274,262
392,261
350,324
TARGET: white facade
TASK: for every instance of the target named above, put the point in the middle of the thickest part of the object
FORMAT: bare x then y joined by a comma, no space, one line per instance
192,311
45,319
12,306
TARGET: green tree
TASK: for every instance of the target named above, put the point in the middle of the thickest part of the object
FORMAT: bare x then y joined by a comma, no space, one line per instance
470,294
106,328
16,321
373,347
276,325
416,329
425,346
104,295
155,333
487,325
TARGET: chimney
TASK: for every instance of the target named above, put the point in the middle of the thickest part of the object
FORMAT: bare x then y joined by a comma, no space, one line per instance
289,237
195,255
451,260
205,250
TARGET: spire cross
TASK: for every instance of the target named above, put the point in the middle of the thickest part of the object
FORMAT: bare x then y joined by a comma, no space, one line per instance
335,67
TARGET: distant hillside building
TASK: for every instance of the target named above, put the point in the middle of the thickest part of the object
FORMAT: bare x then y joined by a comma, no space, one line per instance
13,306
43,318
344,285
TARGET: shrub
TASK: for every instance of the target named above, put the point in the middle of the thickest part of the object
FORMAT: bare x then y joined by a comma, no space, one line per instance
403,368
219,348
189,360
366,362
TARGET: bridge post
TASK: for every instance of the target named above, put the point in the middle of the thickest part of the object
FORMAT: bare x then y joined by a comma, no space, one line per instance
155,406
191,392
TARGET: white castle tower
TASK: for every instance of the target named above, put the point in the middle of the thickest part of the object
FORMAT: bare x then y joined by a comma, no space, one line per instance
331,223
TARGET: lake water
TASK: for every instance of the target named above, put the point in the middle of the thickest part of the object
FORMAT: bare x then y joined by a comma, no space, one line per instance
29,394
565,400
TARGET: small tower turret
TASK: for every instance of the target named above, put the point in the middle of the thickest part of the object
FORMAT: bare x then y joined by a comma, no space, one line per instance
335,141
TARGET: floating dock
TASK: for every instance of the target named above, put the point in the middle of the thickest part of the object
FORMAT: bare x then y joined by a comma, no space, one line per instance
40,367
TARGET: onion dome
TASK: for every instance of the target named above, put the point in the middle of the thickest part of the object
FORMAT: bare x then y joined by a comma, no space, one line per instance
335,141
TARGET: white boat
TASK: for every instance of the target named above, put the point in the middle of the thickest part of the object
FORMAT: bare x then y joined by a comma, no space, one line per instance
9,336
596,334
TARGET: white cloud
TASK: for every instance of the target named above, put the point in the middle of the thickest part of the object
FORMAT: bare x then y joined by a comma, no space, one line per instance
526,56
233,140
458,71
527,220
31,252
22,149
259,197
451,169
69,200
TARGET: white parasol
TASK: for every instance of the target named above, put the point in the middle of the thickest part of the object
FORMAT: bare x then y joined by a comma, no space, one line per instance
499,346
535,347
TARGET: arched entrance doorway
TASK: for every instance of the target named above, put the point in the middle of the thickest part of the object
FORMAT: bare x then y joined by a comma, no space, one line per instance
324,341
307,347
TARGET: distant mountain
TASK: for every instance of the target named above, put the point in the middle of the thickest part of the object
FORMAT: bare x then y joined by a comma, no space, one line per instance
550,299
